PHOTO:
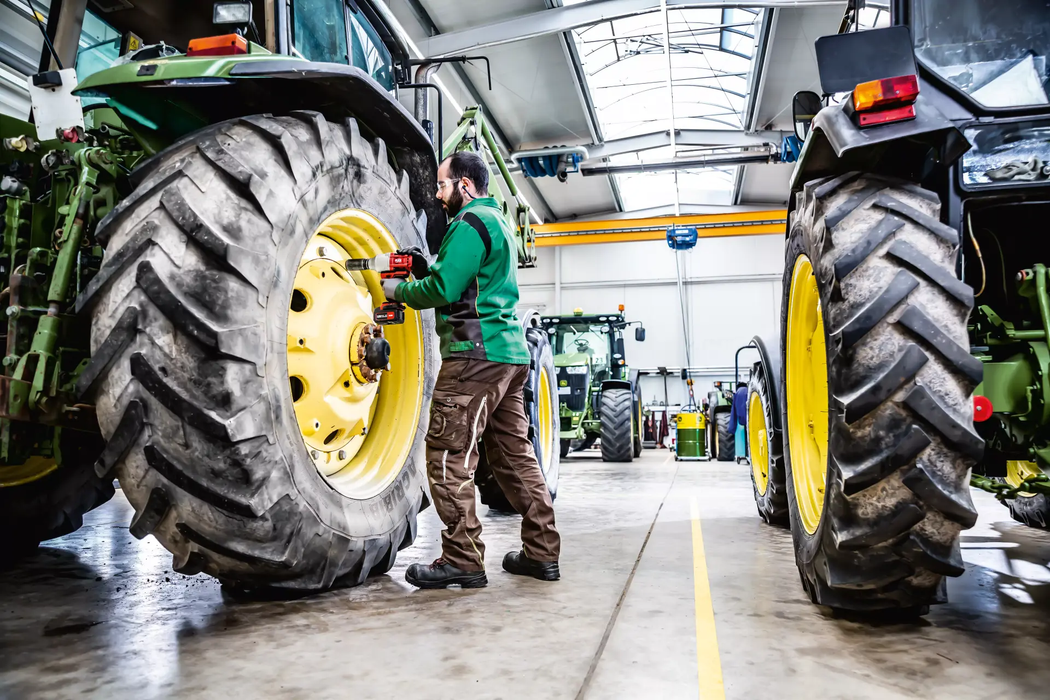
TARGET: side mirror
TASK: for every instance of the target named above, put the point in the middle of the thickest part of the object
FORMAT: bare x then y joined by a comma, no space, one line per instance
639,334
804,106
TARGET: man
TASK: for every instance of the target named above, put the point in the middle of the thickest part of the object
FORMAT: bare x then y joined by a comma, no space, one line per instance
738,421
485,363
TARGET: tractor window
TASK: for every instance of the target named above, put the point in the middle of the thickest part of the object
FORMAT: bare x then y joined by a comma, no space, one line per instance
99,46
995,51
587,340
320,30
368,51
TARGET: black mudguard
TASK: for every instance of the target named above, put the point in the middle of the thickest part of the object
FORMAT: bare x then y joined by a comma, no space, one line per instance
282,85
617,384
906,149
771,365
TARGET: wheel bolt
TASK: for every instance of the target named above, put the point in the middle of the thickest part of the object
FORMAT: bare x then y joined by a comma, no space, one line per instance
341,454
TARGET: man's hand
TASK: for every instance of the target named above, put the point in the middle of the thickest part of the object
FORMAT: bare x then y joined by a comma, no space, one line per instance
420,267
389,286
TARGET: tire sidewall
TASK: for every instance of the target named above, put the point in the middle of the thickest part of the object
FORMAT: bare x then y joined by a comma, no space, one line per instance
806,546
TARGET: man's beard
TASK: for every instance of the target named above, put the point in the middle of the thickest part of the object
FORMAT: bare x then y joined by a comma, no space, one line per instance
454,203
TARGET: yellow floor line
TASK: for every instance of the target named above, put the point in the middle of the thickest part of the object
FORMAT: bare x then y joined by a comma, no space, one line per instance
708,663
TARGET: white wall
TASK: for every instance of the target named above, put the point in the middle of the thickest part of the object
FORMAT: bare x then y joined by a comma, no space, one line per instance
732,292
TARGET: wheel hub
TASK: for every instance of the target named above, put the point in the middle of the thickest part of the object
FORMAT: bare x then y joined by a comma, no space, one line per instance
807,393
341,364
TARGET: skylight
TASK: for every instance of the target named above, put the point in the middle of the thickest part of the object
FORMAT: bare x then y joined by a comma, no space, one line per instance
626,69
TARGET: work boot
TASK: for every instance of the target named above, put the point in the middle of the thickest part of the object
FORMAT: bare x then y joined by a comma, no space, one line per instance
441,574
518,563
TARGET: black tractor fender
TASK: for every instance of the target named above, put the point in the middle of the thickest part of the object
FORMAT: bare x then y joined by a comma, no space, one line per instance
771,365
617,384
835,146
283,85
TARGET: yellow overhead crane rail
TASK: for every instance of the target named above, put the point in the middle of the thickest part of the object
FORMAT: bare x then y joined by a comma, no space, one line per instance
742,223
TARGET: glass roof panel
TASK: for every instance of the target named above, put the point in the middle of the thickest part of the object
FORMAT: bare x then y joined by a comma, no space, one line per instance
626,71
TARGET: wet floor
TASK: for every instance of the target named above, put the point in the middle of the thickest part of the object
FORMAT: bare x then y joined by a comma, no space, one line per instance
100,614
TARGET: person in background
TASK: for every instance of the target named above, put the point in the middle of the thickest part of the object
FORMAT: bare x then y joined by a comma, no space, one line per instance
738,421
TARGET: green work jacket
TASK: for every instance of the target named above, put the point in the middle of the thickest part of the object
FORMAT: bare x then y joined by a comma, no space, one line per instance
473,285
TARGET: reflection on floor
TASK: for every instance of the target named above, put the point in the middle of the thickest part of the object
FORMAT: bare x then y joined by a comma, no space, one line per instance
100,614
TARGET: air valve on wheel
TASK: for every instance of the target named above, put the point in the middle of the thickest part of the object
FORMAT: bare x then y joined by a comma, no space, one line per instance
389,266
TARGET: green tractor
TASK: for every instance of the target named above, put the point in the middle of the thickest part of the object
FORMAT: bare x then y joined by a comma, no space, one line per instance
174,232
721,443
915,322
600,397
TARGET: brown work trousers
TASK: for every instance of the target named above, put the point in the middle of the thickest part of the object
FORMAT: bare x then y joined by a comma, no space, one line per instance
472,399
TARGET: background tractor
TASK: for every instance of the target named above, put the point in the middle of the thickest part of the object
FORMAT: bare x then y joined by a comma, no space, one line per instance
175,228
915,316
721,443
600,397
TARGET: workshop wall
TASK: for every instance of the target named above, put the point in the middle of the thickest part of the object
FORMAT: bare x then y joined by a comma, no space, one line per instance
732,285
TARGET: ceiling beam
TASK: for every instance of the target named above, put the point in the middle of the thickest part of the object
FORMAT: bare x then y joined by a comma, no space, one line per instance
683,137
563,19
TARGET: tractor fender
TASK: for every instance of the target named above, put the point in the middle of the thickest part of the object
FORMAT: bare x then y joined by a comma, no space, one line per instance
275,85
836,145
771,365
617,384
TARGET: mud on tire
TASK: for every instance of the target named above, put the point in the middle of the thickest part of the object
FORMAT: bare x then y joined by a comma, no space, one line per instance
900,385
189,353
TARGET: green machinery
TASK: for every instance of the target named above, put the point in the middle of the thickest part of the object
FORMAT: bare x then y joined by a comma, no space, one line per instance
600,397
913,349
720,440
178,315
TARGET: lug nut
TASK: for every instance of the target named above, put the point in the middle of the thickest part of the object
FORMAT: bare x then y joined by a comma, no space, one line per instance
341,454
314,454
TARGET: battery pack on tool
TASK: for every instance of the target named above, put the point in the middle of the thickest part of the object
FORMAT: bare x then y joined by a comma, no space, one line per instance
389,313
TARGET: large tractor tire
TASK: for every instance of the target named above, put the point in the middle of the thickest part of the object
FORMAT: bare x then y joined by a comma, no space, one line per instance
766,449
565,447
47,498
617,425
1032,509
725,441
541,407
877,387
639,421
228,362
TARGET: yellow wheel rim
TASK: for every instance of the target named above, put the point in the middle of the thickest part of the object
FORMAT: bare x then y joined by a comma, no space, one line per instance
807,394
546,420
358,424
34,468
1018,471
758,444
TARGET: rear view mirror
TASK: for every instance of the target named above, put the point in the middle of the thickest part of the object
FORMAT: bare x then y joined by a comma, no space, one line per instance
232,13
639,334
804,106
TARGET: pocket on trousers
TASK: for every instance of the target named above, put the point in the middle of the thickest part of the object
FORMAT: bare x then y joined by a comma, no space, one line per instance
449,422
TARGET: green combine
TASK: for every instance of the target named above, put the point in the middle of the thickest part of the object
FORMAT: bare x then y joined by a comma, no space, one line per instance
600,396
174,230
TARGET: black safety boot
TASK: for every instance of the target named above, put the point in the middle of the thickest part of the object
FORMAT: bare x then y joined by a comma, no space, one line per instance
441,574
518,563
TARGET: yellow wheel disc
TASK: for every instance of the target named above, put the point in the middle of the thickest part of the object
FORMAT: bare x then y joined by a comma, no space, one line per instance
1018,471
34,468
807,393
757,441
546,420
358,423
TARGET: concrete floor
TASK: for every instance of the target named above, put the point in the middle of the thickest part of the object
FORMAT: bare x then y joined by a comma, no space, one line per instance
99,614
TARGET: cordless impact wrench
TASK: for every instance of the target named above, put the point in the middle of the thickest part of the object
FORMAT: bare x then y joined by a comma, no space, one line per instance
389,266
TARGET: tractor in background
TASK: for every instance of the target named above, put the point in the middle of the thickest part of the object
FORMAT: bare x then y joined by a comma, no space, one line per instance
600,397
915,319
174,226
721,443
